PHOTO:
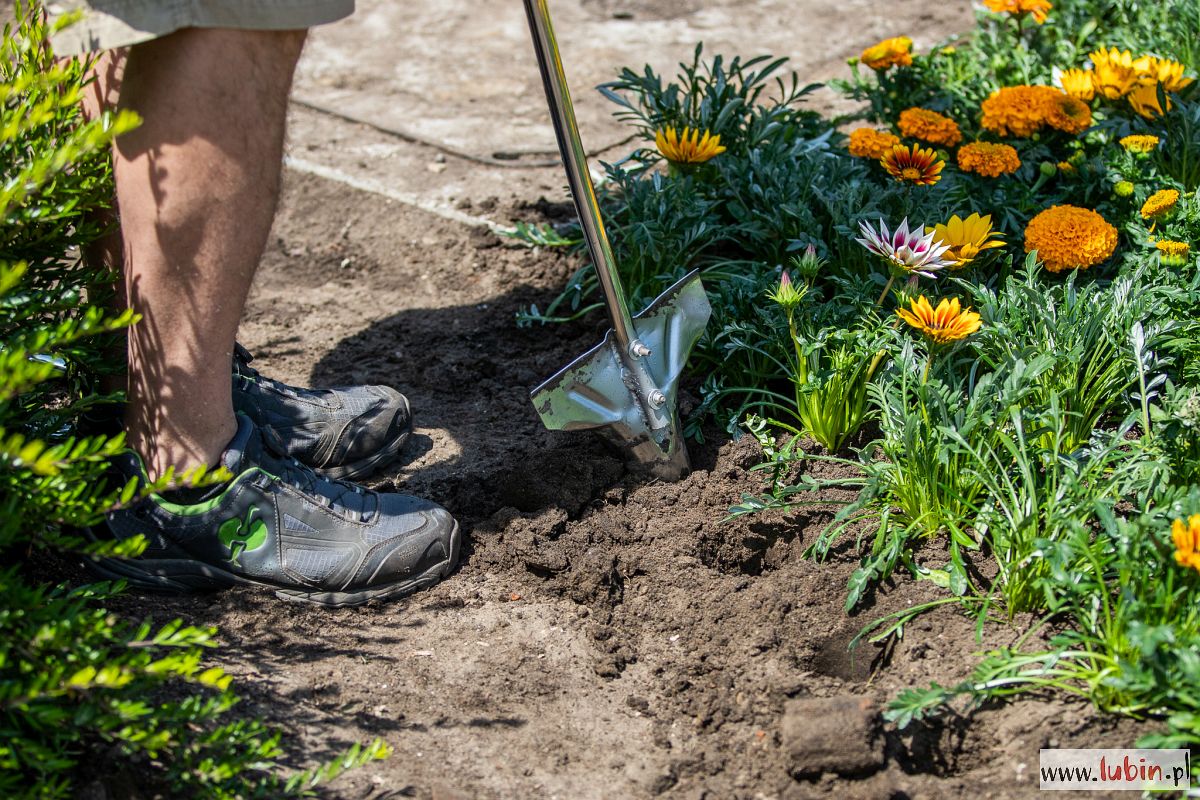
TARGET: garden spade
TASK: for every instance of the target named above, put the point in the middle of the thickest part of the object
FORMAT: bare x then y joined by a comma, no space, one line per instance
624,387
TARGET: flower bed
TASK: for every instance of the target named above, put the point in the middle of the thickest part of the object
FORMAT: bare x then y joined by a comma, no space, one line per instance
983,300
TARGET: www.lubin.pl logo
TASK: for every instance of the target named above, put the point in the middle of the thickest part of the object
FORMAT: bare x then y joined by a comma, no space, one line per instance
1116,769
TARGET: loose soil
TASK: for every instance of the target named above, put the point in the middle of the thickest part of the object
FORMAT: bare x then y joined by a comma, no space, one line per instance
604,637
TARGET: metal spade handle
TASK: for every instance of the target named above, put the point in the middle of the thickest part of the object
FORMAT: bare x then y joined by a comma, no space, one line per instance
558,96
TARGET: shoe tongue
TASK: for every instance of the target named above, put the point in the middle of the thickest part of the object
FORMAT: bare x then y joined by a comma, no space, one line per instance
231,459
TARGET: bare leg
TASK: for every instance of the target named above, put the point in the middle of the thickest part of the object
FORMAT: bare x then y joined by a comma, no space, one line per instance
197,186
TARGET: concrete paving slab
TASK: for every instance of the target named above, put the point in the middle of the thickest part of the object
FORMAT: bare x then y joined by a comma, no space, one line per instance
462,74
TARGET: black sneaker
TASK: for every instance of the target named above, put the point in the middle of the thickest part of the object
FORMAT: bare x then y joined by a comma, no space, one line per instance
346,432
280,524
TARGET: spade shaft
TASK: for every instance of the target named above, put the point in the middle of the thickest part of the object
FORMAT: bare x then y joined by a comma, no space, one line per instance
625,387
562,113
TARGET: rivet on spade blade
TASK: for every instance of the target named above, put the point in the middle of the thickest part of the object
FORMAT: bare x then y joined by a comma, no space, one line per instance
638,349
657,398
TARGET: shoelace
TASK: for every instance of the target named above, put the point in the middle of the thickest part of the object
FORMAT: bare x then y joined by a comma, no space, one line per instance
329,492
242,358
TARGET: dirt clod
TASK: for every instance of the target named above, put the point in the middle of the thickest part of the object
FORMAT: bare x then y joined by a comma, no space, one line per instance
832,734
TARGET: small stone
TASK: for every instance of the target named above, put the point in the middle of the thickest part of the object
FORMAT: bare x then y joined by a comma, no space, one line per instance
832,734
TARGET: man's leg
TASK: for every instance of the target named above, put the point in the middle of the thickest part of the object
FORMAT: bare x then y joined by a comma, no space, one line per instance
197,186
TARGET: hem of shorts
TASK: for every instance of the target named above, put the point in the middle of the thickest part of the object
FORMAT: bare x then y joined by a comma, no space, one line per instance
99,30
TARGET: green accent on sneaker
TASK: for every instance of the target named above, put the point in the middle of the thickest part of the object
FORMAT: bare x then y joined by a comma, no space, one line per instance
209,504
242,536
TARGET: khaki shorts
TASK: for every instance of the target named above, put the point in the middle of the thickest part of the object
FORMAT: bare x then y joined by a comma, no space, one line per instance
117,23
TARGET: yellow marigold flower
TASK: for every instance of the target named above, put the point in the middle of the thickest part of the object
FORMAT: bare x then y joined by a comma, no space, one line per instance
988,159
1172,253
1078,83
870,143
689,147
1113,72
1139,143
1144,99
1162,70
943,325
894,52
1186,536
919,165
1160,203
965,238
1124,189
1065,167
1038,9
1066,113
1068,237
929,126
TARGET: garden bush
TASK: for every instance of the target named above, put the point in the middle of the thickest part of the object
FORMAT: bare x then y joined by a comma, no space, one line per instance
86,694
979,295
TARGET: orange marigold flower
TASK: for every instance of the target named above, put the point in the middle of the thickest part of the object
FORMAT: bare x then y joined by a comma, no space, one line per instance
1067,114
1113,72
988,159
1160,203
894,52
1038,9
1186,536
1016,110
870,143
1067,237
929,126
1078,83
946,324
1140,143
1024,110
919,165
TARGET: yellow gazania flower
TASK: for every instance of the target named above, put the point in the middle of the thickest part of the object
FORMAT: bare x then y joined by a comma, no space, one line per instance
929,126
1144,99
988,159
1066,113
1172,253
919,165
894,52
870,143
1187,541
946,324
689,147
1162,70
1078,83
1113,72
1068,237
1038,9
965,238
1160,203
1139,143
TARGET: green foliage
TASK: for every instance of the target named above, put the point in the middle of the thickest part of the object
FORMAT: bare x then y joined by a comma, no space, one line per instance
85,693
1057,443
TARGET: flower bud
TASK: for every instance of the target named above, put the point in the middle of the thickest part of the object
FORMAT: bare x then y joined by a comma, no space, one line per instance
1048,168
1123,189
787,295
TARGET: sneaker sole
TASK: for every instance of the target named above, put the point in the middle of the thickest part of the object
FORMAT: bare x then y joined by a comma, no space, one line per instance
185,576
373,463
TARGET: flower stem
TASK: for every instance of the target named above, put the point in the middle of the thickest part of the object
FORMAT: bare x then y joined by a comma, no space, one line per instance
887,288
